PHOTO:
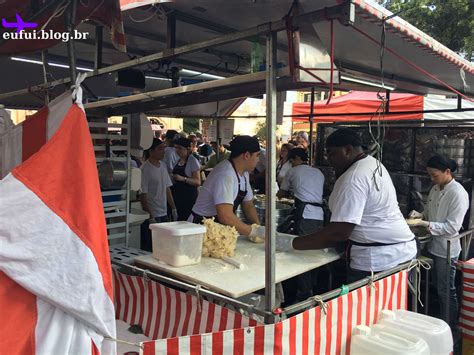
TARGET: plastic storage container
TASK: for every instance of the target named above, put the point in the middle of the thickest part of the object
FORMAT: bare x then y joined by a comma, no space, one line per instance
434,331
377,340
177,243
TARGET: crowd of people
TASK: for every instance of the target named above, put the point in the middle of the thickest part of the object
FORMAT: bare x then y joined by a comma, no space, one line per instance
364,211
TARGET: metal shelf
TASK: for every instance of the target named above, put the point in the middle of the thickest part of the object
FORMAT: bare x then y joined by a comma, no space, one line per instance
115,212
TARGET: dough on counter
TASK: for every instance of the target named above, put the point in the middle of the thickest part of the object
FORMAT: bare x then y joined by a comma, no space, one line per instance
256,239
413,221
219,240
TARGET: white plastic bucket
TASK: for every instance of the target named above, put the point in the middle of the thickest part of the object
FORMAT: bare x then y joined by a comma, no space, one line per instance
378,340
434,331
177,243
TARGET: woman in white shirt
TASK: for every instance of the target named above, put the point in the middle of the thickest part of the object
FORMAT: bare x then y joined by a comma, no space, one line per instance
284,164
444,213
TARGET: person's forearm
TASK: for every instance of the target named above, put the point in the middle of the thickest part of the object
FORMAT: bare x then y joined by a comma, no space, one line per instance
327,237
193,181
250,214
144,203
310,242
170,199
282,193
233,220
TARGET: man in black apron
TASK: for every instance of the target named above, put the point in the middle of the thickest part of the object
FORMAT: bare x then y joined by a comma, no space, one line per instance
227,187
365,212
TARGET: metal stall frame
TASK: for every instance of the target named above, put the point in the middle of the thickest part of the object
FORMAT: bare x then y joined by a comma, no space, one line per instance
311,302
465,238
142,102
269,76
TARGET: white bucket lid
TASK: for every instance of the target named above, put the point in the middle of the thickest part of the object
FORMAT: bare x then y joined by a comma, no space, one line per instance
179,228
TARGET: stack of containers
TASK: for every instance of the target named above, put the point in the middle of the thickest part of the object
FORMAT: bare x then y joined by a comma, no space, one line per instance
434,331
403,332
466,319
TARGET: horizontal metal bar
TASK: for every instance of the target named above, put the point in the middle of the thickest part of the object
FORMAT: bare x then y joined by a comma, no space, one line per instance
116,236
116,214
391,113
115,148
263,29
101,159
460,235
421,175
236,80
189,287
115,204
116,137
116,225
106,125
113,192
334,293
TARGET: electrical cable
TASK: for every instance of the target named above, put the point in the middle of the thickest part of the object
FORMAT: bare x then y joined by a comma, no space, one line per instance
331,58
410,63
56,13
147,18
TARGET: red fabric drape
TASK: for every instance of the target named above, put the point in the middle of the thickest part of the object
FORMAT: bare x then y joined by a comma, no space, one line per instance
359,102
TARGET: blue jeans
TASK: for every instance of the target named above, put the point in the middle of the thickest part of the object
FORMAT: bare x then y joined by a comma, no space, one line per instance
443,286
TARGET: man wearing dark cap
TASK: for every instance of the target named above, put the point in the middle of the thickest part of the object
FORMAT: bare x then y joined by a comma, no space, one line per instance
364,210
228,187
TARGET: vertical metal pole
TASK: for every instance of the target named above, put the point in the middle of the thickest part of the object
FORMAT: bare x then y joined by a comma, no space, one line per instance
459,102
427,291
71,51
171,31
311,121
448,282
44,59
218,137
129,176
414,301
270,225
387,106
99,30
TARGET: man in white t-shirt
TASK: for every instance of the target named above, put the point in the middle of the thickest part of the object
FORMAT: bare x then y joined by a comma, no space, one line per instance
306,183
364,210
155,192
228,186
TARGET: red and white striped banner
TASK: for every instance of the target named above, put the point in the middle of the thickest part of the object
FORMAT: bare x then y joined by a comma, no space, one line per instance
466,319
163,312
311,332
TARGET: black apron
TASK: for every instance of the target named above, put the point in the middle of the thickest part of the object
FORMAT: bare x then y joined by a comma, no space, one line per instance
184,195
299,209
350,243
238,200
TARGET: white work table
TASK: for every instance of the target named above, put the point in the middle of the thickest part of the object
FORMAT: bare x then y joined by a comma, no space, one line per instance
226,279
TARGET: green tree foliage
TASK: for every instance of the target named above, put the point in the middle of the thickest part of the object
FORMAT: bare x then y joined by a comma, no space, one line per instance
261,130
190,125
451,22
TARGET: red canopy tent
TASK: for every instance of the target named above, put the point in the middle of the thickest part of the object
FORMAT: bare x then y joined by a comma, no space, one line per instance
359,101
